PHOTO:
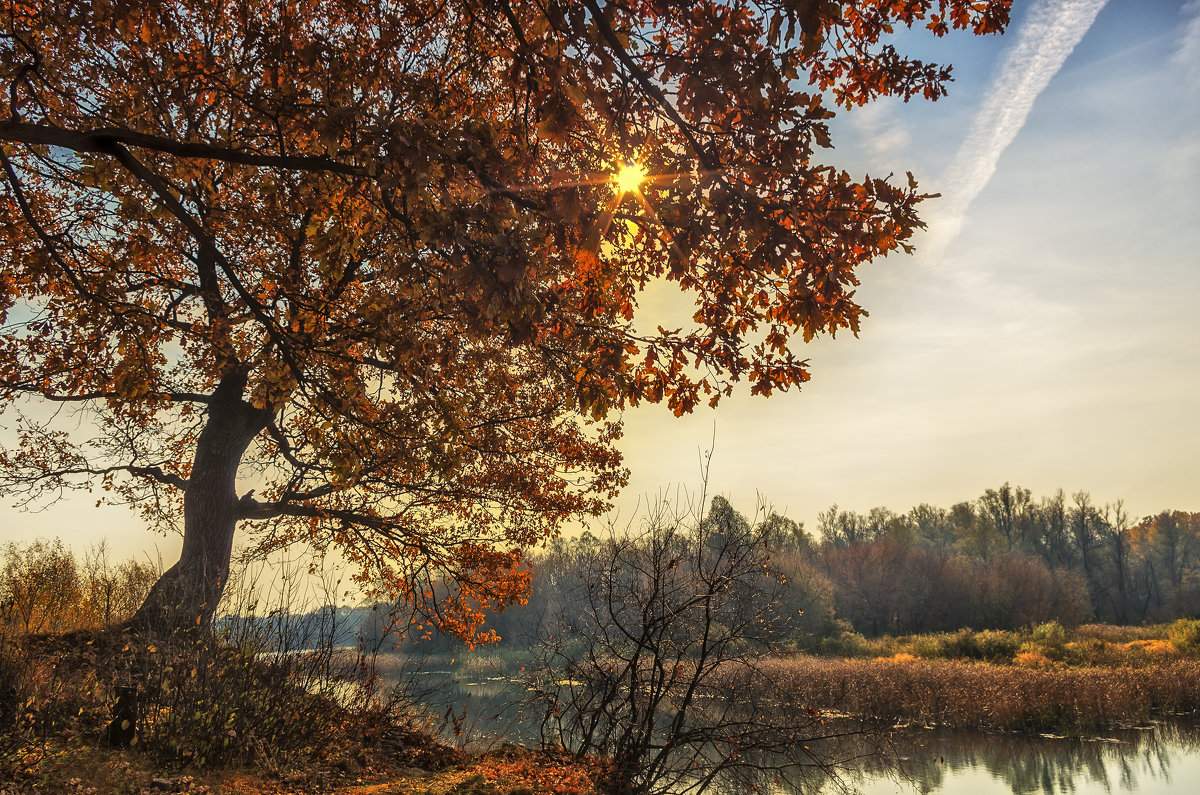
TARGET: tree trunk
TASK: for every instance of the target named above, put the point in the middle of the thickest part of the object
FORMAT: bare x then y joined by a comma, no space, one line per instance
186,595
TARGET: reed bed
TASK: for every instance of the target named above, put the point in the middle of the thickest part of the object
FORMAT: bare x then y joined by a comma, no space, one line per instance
979,695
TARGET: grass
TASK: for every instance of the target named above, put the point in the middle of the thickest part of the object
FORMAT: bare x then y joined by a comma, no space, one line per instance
959,694
224,717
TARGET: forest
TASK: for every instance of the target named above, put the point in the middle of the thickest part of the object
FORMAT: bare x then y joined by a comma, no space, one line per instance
1004,560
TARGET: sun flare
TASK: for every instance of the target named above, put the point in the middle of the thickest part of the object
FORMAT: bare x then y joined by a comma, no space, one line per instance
630,177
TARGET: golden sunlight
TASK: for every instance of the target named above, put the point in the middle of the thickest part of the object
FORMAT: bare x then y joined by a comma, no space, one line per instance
630,177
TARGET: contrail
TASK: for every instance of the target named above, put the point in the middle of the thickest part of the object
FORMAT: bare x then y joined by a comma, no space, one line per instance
1049,34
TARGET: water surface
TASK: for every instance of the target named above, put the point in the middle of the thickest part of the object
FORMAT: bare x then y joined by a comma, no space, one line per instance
1151,760
1160,758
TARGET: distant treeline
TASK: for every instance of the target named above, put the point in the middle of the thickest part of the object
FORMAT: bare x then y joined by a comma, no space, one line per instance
1007,560
1002,561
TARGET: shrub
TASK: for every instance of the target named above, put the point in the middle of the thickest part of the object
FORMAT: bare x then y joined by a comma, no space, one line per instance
39,587
1089,651
1051,633
924,646
44,589
1154,648
208,703
996,645
959,645
1050,639
899,657
1184,635
844,641
271,689
677,621
14,695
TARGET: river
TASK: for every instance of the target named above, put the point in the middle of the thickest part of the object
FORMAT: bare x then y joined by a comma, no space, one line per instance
1161,758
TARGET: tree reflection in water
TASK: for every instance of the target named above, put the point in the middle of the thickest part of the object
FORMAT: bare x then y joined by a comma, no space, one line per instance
1139,760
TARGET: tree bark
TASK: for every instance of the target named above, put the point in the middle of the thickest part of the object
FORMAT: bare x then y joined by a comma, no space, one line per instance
186,595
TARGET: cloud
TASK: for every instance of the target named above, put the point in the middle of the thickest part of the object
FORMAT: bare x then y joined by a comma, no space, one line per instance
884,136
1188,53
1049,34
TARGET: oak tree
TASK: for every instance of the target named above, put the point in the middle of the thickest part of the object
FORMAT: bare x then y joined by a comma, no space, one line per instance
362,274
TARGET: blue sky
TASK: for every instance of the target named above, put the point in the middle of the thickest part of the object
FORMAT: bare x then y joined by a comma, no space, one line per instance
1046,333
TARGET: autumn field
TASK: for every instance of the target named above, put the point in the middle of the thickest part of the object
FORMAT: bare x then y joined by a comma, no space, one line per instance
274,701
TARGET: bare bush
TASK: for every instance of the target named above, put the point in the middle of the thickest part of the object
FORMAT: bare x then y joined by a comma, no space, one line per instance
662,628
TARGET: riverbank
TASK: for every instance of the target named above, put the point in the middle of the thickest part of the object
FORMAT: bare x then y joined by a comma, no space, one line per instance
106,712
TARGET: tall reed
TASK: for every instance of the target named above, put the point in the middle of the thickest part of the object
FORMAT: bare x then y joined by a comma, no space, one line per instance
979,695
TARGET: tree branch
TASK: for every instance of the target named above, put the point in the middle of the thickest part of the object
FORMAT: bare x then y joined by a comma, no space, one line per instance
155,473
171,397
102,140
648,85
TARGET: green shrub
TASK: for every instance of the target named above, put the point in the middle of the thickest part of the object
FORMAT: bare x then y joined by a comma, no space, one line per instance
1050,633
997,646
1091,651
1184,635
960,645
924,646
844,641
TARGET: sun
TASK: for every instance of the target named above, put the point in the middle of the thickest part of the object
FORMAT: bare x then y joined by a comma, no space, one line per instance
629,179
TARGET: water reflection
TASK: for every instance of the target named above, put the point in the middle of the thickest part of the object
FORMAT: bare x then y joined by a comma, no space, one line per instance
477,712
1161,758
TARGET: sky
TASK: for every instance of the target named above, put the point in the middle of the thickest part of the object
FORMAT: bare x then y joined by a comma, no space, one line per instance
1046,333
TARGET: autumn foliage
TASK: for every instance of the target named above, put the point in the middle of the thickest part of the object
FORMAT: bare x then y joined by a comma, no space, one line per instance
356,274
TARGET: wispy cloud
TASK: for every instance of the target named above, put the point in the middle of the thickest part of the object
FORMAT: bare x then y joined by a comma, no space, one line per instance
884,136
1050,32
1188,54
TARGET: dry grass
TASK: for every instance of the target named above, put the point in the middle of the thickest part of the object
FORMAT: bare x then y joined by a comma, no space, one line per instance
60,705
1031,697
201,706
